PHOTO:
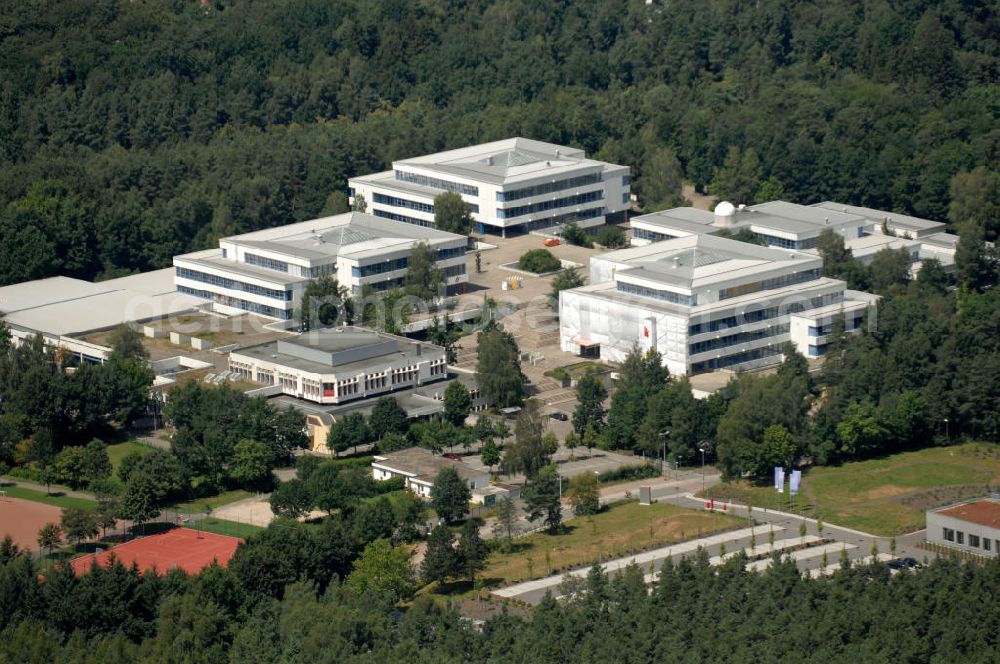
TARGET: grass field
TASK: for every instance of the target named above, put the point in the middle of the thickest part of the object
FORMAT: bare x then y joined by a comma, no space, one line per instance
620,530
119,451
214,502
885,496
42,497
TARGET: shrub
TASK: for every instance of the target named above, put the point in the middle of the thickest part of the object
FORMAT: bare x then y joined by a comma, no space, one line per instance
610,236
627,473
539,261
576,235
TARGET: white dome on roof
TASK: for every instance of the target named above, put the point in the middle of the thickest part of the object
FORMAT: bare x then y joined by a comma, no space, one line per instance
725,209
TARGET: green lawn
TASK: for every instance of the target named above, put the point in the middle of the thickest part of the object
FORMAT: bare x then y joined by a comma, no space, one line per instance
222,527
215,502
620,530
41,497
886,496
119,451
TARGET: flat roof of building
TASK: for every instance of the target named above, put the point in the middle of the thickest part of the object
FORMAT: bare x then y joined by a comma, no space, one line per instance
508,161
896,220
607,291
424,464
353,235
983,512
687,219
333,340
702,260
806,213
63,306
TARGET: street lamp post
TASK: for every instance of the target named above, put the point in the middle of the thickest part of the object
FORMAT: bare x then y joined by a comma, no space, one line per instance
663,461
947,429
702,450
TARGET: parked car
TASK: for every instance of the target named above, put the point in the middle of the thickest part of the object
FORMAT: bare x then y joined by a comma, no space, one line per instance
453,457
903,563
559,415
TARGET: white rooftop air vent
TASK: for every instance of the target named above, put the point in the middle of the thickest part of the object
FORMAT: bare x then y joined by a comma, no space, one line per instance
826,220
677,261
557,154
743,207
548,163
489,160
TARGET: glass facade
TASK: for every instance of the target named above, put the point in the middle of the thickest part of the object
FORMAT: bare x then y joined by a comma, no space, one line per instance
266,263
739,358
403,203
757,315
435,183
542,206
785,243
385,214
253,307
823,330
548,188
232,284
645,234
666,296
736,339
770,284
454,252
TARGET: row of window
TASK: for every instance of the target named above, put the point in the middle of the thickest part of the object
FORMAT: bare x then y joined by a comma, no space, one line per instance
736,339
739,358
265,262
453,271
770,284
435,183
405,375
975,541
666,296
645,234
385,214
823,330
454,252
757,315
549,187
785,243
253,307
438,367
380,268
403,203
232,284
542,206
816,351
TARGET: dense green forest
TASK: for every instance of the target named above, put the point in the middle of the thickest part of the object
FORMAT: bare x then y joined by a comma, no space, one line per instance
133,131
945,613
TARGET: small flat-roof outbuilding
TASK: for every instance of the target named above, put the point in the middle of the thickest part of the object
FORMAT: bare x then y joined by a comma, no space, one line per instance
972,526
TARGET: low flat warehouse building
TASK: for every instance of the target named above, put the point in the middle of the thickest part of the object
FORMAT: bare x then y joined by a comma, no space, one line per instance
266,272
420,467
516,184
972,526
706,303
337,365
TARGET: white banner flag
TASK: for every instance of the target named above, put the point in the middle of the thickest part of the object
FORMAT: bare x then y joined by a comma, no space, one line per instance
779,479
793,482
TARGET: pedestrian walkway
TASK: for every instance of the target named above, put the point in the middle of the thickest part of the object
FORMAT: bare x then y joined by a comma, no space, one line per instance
55,489
767,550
867,560
539,586
833,548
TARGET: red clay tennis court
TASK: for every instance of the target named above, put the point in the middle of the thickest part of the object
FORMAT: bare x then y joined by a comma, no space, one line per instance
186,549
